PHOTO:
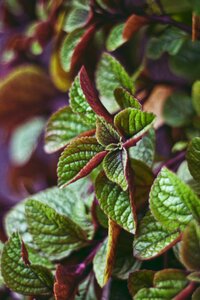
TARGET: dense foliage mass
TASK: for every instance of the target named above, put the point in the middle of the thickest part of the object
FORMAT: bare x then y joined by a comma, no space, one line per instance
119,82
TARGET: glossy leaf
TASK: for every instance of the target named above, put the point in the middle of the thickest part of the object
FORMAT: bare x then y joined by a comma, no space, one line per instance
114,165
76,18
79,103
114,202
104,259
193,158
172,202
21,276
63,126
152,239
131,121
78,159
190,247
105,133
125,99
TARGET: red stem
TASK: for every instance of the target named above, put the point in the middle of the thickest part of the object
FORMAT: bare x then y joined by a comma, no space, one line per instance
184,294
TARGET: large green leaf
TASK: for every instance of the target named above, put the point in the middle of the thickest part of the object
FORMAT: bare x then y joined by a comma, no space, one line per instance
172,202
21,276
24,140
63,126
196,96
193,158
78,159
145,149
114,165
110,75
167,284
54,233
106,134
178,110
125,99
171,40
131,121
114,202
190,247
79,103
152,238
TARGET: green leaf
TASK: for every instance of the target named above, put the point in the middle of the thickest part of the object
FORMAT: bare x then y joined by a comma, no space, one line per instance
86,290
131,121
110,75
68,46
115,38
190,247
114,165
55,234
63,126
179,146
104,259
170,41
185,64
184,174
22,277
79,103
145,149
167,284
125,99
172,202
178,110
195,7
24,140
196,96
78,159
152,239
196,294
114,202
193,158
139,280
76,18
106,134
194,276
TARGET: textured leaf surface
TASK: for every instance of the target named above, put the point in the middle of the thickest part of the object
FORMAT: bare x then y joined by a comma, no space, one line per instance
172,202
63,126
130,121
23,278
114,202
184,174
105,257
55,234
110,75
145,149
79,103
78,159
167,284
125,99
196,96
190,247
75,19
178,110
114,165
193,158
139,280
115,38
105,133
152,238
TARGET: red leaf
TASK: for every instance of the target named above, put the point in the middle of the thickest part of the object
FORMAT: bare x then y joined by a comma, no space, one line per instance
24,254
132,25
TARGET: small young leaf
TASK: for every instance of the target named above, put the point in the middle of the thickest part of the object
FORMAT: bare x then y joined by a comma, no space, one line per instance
110,75
63,126
152,239
78,159
131,121
55,234
190,247
114,202
172,202
21,277
79,103
139,280
194,276
104,259
193,158
114,165
115,38
105,133
125,99
196,96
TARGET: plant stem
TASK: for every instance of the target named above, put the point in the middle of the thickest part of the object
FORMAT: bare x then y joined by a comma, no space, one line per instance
184,294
